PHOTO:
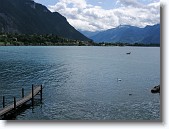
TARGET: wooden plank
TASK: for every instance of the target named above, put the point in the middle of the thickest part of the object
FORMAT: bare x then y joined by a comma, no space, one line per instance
20,102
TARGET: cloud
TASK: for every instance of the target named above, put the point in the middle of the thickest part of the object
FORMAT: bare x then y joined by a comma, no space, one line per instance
132,3
100,2
85,16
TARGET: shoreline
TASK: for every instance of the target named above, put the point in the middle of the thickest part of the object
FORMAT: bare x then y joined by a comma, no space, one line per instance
7,39
99,45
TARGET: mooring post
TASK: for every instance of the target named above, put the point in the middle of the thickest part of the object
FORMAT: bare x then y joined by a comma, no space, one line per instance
41,92
14,103
32,96
3,101
22,92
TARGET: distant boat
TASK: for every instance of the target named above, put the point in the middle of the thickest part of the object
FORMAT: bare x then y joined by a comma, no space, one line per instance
128,53
118,79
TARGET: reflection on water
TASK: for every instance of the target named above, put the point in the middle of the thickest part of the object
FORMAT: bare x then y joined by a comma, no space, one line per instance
81,82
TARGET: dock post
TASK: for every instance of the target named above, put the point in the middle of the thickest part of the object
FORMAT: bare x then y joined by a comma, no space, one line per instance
41,93
3,101
14,103
22,92
32,96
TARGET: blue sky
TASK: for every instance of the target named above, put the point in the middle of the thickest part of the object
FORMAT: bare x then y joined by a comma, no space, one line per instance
96,15
106,4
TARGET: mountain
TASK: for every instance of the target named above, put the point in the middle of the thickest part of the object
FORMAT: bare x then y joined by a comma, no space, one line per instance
28,17
89,33
130,34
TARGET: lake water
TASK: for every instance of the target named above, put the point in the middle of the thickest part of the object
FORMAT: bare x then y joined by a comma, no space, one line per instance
81,82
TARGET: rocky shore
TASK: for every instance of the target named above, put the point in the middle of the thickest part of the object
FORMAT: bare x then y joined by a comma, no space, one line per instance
156,89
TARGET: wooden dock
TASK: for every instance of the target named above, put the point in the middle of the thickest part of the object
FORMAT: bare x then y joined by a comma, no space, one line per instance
18,104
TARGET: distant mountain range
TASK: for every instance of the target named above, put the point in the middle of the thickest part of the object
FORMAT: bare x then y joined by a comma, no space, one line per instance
130,34
89,33
28,17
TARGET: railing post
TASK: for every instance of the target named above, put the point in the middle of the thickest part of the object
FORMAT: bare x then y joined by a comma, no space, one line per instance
32,96
14,103
22,92
41,92
3,101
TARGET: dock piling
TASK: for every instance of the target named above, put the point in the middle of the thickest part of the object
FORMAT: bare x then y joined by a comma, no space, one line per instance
32,96
22,92
41,93
14,103
3,101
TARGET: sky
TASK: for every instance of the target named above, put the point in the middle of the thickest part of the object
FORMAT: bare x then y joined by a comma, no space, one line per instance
99,15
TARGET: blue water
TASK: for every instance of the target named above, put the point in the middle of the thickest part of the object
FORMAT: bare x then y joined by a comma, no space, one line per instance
81,82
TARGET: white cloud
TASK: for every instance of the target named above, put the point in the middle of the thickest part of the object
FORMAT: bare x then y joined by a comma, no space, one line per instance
132,3
84,16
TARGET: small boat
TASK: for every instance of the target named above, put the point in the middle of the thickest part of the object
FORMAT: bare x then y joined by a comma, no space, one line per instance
118,79
128,53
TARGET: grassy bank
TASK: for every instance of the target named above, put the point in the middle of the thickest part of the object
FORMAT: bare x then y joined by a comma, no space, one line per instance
8,39
39,40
